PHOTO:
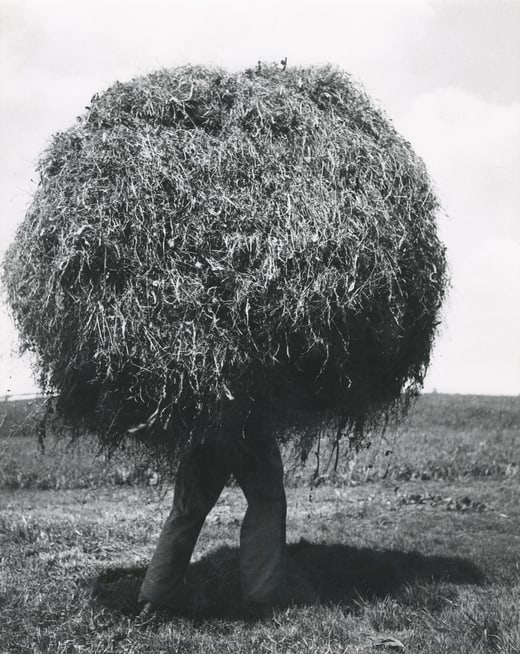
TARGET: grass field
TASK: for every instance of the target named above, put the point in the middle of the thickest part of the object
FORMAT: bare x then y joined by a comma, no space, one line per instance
416,551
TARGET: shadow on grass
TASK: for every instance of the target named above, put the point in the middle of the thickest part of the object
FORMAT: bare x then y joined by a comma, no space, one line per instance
339,574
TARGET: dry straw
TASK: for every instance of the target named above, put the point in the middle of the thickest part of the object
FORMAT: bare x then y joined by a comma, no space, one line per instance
202,243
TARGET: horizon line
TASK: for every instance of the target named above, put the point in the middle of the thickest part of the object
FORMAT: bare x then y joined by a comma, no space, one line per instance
14,397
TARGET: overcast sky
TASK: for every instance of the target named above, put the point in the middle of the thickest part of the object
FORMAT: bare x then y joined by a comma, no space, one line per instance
446,72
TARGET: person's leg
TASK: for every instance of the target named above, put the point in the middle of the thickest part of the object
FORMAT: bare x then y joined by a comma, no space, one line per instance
200,480
263,552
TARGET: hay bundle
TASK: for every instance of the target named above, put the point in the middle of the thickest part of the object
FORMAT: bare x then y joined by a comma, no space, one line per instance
201,241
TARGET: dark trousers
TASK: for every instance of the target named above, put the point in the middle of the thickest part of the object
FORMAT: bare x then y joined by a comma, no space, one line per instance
256,464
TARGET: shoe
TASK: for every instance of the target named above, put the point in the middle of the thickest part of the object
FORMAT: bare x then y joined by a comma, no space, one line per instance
147,611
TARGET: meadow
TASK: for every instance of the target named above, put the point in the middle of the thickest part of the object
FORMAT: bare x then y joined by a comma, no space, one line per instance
412,545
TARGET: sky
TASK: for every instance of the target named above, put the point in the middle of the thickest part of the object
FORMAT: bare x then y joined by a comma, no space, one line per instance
447,72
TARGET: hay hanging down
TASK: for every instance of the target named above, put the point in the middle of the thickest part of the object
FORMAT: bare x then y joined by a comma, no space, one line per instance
202,242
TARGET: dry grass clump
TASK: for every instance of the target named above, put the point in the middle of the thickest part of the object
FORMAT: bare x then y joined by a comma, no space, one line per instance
201,242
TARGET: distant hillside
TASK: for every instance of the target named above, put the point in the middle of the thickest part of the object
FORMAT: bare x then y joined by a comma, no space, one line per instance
431,410
20,416
446,437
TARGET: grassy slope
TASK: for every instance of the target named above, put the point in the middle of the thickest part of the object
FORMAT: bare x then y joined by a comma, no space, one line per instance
445,437
430,559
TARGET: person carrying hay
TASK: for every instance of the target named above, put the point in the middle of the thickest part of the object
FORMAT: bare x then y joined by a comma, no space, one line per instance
229,261
256,464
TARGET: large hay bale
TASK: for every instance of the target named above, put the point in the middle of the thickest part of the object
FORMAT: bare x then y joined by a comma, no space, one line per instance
200,241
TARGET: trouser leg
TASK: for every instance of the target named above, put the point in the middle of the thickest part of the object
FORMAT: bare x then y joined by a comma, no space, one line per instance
200,480
263,555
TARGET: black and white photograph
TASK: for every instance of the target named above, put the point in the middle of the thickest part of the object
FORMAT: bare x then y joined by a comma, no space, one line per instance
260,326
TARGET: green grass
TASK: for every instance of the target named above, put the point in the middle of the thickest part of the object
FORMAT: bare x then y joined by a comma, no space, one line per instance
430,560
